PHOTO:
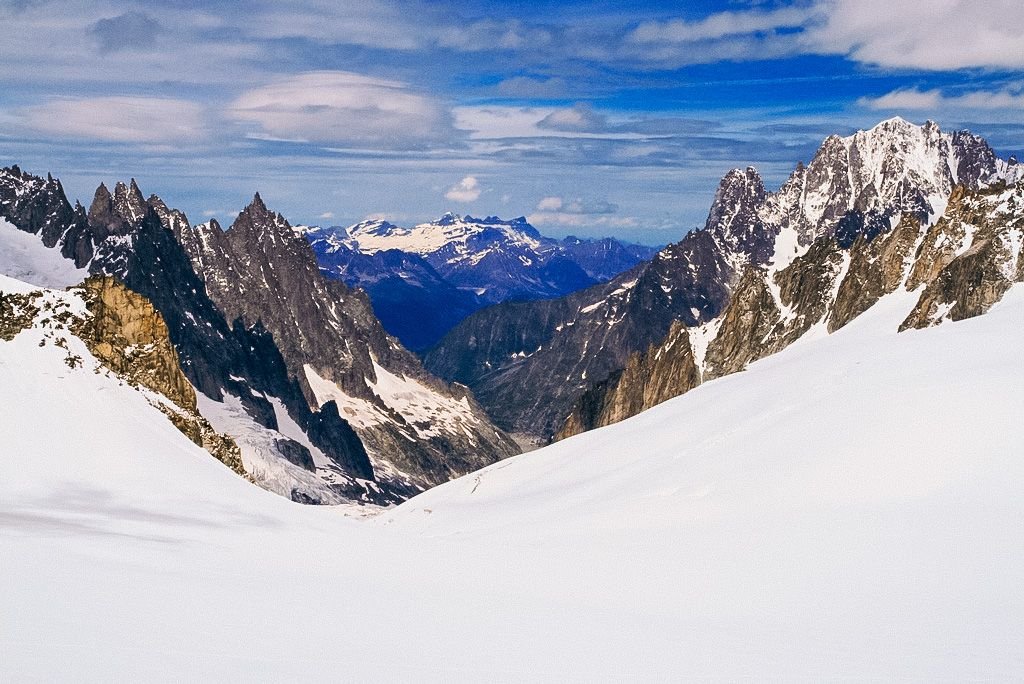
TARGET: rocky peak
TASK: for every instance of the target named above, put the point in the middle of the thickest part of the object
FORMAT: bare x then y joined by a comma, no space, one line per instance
129,201
104,218
734,220
258,221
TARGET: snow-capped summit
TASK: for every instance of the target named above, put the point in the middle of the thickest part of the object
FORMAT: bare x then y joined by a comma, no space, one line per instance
855,189
450,229
425,279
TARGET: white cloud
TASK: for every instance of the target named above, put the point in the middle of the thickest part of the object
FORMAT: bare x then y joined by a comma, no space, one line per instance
573,220
466,190
549,204
340,107
922,34
327,215
932,101
151,120
918,34
373,23
581,117
496,122
576,206
717,25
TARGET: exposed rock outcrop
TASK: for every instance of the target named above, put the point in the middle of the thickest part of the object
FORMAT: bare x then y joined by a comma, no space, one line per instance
971,257
750,319
130,337
877,267
647,380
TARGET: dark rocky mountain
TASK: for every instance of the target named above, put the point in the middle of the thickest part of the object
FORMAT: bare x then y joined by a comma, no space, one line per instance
261,271
580,371
424,280
225,301
954,268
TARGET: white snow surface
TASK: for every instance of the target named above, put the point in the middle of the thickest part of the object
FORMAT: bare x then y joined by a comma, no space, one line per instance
425,411
24,257
849,509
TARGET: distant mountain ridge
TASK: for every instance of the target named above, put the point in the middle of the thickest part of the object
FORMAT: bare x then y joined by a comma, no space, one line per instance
425,279
571,353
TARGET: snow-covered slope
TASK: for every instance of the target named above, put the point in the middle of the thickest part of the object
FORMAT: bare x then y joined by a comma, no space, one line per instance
846,509
24,258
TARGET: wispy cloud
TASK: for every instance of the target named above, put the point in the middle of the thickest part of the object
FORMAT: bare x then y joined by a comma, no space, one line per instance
465,191
718,25
934,101
576,206
150,120
340,107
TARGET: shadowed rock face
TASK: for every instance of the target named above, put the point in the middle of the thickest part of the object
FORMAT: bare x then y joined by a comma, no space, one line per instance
877,267
648,379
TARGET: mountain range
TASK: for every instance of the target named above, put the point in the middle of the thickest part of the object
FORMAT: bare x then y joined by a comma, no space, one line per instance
322,405
899,206
424,280
294,367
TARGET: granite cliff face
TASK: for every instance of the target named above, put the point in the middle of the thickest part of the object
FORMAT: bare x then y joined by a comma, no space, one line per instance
130,337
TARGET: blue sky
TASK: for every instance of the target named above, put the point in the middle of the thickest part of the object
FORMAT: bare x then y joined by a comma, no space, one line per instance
593,118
